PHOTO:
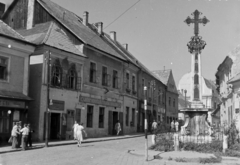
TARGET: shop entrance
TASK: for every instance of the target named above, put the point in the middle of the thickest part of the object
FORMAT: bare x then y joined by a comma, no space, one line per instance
55,126
115,119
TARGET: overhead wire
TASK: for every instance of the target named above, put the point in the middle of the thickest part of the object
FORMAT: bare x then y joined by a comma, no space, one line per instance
118,17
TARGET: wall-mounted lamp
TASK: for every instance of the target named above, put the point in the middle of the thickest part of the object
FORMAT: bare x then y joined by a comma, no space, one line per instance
83,108
9,46
9,112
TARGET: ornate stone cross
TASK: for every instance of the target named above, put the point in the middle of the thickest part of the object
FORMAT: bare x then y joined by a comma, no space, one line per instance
196,20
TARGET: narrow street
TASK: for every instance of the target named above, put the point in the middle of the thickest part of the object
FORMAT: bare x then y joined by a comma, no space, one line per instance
108,152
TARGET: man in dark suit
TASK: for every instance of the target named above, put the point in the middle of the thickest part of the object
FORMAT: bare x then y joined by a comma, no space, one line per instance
29,140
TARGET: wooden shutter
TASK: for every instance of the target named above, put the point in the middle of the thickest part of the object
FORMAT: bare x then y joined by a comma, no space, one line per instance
108,80
121,121
79,83
110,122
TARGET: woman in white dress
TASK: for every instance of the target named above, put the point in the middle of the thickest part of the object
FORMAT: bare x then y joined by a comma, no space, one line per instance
79,130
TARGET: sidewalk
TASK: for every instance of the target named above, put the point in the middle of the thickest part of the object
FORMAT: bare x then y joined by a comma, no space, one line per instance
7,149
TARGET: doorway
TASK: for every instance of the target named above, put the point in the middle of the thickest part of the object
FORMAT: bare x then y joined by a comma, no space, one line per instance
115,119
55,126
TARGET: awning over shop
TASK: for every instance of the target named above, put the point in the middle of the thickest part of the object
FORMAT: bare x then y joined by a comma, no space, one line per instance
14,95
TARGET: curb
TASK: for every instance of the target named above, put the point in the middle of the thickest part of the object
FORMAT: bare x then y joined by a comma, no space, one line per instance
68,143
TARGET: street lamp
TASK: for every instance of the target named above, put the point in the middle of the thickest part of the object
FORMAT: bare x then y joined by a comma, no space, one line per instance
48,59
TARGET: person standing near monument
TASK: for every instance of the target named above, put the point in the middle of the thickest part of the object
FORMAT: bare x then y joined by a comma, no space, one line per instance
154,126
172,125
176,126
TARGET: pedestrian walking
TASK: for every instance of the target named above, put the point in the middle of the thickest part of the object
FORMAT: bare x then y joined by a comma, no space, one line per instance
19,137
154,126
79,131
172,125
118,127
29,140
74,127
14,134
176,126
25,133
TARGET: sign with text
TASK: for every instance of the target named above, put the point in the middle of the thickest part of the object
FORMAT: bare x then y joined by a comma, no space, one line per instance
99,101
12,103
56,105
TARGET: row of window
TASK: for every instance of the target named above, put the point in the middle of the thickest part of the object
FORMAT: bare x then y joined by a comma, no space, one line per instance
102,114
128,84
153,93
69,80
90,116
106,78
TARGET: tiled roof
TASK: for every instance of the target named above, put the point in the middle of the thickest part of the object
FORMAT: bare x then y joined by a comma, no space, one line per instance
50,34
129,56
234,79
210,84
163,75
8,31
74,24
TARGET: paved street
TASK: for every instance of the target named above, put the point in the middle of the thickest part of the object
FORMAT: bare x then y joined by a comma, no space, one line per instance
114,152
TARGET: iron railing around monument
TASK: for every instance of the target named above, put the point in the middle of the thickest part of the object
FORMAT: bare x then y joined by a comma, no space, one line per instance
186,138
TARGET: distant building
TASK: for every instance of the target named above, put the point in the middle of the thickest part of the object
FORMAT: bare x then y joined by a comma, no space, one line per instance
167,78
227,79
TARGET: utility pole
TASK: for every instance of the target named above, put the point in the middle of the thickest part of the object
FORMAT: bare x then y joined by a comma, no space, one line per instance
145,123
47,107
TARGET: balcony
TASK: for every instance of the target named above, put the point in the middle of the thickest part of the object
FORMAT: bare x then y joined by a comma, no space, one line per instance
134,92
128,90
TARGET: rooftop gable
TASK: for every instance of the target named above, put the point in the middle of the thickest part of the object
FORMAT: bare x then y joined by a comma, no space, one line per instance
51,34
8,31
74,24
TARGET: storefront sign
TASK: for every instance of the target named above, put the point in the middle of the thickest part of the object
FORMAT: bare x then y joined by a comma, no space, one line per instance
12,103
99,101
56,105
16,116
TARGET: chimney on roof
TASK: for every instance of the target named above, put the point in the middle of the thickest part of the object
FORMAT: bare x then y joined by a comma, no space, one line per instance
113,35
125,46
30,14
100,27
2,9
85,18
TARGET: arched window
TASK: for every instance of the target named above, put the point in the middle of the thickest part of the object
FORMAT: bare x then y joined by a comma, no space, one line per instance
196,67
196,79
56,79
72,77
196,93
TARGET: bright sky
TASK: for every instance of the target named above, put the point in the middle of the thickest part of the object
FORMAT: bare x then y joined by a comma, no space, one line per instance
157,35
